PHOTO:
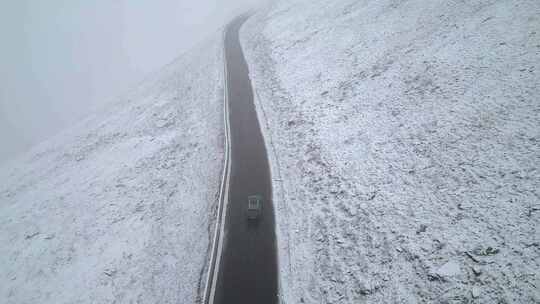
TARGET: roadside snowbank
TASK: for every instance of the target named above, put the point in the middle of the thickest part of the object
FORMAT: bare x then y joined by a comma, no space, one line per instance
404,141
118,208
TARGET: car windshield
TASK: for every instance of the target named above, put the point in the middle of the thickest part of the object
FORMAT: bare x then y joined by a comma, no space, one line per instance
253,203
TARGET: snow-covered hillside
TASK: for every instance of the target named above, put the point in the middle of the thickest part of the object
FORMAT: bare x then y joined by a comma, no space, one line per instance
404,141
118,209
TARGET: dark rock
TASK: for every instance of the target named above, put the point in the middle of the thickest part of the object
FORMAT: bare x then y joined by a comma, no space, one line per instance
421,229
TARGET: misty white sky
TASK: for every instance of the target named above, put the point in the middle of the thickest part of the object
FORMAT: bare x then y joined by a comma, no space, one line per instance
60,58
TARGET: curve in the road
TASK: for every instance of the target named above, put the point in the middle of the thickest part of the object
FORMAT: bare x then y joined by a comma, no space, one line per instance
246,270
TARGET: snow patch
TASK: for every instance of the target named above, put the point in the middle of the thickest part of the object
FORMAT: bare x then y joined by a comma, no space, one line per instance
119,207
402,135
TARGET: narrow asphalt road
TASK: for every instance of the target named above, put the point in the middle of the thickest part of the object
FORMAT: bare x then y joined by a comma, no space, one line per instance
248,269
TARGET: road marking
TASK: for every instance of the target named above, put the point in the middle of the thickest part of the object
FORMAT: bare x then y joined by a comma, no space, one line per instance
217,246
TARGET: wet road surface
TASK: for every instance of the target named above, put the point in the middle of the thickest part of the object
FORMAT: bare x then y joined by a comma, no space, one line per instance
248,268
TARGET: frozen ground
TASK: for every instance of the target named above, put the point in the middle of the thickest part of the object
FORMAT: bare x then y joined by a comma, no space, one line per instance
404,141
118,209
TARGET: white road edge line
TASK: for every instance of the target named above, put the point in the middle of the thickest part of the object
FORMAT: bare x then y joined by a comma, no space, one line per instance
217,246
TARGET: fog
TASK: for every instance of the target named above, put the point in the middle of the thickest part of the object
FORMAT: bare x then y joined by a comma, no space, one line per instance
62,58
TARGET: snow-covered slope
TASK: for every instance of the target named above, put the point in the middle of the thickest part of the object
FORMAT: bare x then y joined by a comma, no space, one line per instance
118,209
404,141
